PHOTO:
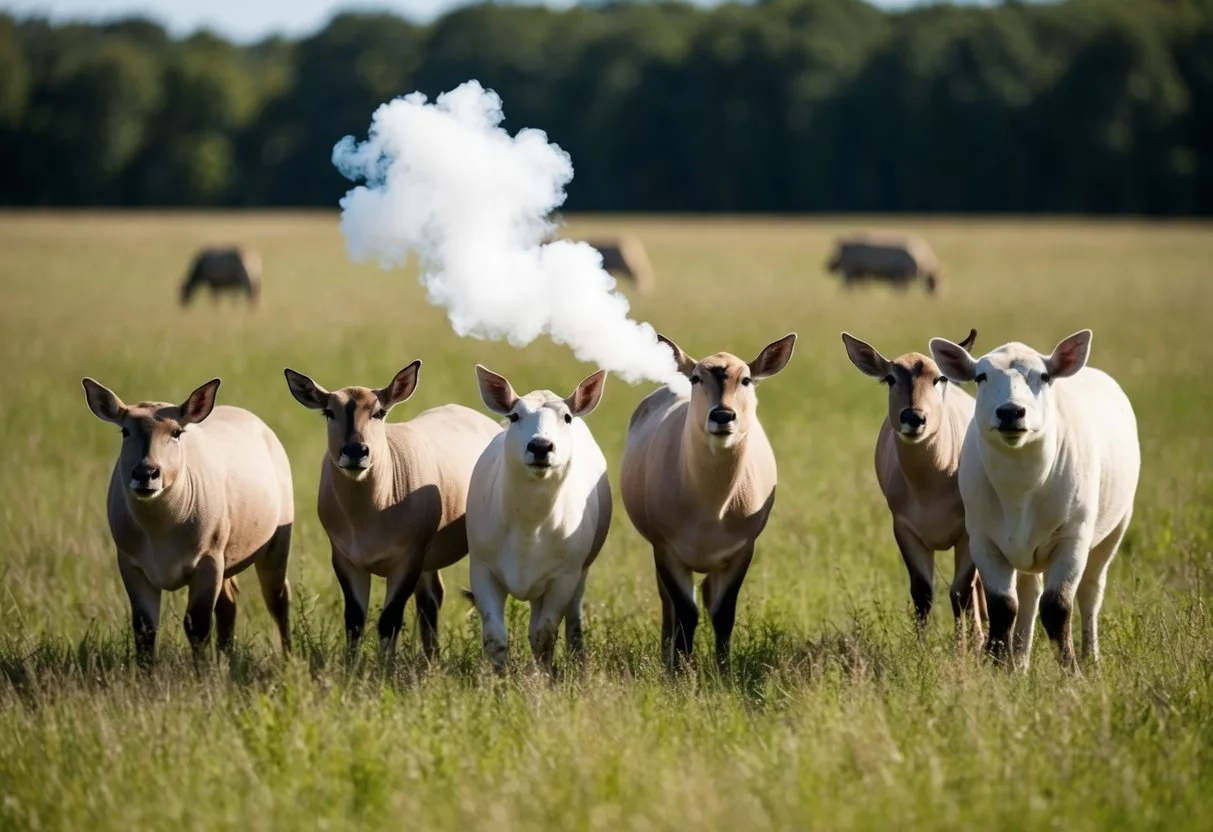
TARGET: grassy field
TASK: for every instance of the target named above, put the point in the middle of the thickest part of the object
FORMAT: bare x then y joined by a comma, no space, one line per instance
835,716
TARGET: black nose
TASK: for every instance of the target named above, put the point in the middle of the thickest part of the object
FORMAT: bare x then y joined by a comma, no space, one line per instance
721,415
540,447
145,473
355,451
912,418
1009,413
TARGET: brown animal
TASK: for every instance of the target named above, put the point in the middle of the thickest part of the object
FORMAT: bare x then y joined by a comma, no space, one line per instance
896,258
917,458
393,497
698,482
198,494
224,270
626,256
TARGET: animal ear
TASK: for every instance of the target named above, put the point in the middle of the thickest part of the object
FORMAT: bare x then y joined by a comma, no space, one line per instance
773,358
866,358
400,388
686,364
307,392
200,403
954,360
497,393
587,395
1070,355
969,340
105,405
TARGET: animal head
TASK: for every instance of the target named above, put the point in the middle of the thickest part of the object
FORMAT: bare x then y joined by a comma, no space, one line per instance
723,398
356,416
153,434
539,435
1014,384
917,388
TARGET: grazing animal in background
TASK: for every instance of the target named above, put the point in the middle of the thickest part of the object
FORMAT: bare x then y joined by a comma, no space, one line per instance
626,256
539,508
1048,475
895,258
199,493
393,497
224,270
698,482
917,457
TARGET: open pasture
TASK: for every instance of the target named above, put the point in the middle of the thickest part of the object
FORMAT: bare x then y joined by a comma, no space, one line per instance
835,715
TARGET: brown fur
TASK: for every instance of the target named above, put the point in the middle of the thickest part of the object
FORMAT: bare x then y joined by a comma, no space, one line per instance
226,503
404,518
626,256
702,501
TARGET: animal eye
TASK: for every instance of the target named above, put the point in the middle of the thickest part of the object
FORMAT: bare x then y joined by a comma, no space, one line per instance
379,414
328,414
747,381
889,380
979,378
125,432
177,433
941,380
514,417
568,418
694,379
1046,378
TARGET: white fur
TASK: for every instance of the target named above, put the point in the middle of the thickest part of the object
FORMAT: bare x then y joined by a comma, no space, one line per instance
533,531
1055,500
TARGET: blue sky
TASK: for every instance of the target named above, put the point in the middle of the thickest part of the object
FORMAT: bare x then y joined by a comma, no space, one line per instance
248,20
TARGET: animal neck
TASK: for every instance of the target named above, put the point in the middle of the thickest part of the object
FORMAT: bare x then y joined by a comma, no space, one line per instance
529,499
169,509
711,472
929,464
374,492
1015,473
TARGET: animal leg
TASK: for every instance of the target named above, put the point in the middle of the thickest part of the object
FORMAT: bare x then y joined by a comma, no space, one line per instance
1057,604
965,582
145,609
720,590
490,597
546,614
1028,588
920,563
400,586
204,590
356,589
998,579
275,588
573,637
1091,589
430,593
678,595
225,615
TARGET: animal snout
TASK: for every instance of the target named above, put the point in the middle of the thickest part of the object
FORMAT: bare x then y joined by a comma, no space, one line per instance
1009,416
355,453
721,416
540,449
145,474
912,419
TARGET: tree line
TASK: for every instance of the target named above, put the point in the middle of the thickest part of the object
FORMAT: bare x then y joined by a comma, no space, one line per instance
1089,106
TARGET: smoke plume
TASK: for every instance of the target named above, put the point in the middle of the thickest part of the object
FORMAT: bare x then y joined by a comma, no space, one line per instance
445,181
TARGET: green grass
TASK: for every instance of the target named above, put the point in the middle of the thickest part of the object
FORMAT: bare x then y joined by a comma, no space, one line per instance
835,716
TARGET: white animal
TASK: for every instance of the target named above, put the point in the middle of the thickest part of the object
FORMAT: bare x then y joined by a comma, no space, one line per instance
539,506
1048,474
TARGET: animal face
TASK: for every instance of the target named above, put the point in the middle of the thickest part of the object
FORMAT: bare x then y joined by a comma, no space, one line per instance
917,389
154,435
1014,384
356,416
539,435
723,399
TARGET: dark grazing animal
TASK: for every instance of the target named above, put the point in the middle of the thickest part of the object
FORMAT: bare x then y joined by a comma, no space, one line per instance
896,258
625,256
224,270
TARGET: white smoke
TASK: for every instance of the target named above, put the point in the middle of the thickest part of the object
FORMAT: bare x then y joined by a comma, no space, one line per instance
445,181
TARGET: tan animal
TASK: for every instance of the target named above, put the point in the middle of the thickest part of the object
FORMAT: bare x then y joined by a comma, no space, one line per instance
698,482
626,256
917,459
224,270
896,258
393,497
198,494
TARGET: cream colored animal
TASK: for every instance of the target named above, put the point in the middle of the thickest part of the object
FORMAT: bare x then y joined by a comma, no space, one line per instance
1048,475
539,508
698,482
199,493
393,497
917,457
